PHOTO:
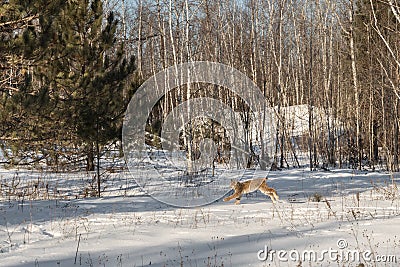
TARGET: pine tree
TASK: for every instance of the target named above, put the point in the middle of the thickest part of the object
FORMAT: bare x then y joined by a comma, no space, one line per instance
89,76
97,80
92,75
25,27
71,99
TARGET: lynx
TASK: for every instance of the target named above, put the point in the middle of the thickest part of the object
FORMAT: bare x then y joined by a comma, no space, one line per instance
251,186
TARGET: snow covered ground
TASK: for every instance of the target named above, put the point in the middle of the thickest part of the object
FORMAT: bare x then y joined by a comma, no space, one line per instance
336,218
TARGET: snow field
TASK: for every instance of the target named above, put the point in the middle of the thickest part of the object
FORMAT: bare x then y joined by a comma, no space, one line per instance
127,228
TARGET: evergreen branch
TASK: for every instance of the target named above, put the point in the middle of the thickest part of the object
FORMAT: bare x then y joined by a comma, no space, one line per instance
9,23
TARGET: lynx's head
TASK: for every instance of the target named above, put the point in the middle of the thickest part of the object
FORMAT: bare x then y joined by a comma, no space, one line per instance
234,183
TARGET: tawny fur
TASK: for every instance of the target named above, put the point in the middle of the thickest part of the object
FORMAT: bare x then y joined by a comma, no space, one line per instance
251,186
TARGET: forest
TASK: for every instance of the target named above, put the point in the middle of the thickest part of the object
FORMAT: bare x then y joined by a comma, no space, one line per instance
199,133
69,68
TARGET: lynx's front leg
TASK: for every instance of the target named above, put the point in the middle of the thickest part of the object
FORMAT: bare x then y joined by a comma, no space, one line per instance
236,195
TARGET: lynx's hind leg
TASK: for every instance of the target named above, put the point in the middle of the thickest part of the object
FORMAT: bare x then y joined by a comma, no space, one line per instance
274,194
266,190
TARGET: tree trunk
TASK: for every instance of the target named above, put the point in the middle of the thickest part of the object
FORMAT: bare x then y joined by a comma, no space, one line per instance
310,107
355,84
89,158
396,139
